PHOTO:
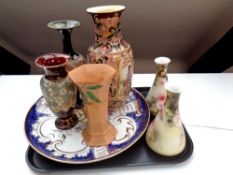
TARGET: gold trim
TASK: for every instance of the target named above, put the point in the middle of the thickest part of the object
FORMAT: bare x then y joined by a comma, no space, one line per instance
96,160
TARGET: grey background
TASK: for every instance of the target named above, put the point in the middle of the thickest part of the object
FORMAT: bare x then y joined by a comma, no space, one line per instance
179,29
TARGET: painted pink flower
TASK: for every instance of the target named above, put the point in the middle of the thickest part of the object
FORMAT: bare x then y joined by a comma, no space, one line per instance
177,120
162,82
124,43
161,98
119,35
92,57
105,48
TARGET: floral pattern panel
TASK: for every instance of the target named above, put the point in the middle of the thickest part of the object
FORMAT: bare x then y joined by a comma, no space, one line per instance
110,48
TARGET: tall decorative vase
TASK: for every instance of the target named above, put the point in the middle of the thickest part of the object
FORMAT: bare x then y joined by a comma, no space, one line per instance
157,94
94,82
110,48
165,135
65,27
59,92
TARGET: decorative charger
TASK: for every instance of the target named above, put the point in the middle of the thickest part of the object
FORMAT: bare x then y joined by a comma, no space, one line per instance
67,146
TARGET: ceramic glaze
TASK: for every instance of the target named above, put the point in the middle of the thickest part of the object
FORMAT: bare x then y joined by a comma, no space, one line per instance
49,62
65,27
106,9
68,146
110,48
157,94
165,134
59,92
94,81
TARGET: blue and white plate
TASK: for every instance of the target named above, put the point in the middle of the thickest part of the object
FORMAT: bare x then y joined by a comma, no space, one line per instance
68,146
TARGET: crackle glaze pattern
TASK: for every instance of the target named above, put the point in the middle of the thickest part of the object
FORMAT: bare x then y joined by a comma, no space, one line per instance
60,94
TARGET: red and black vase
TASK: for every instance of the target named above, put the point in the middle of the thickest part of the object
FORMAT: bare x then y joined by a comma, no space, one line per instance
58,90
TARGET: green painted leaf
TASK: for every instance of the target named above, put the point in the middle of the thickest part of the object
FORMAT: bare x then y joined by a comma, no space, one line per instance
94,87
92,96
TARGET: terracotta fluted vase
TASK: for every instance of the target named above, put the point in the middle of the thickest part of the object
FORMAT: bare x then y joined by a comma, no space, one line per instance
157,94
94,82
59,92
165,135
110,48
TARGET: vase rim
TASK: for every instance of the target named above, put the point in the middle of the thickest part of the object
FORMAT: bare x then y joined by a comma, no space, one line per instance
173,87
52,60
162,60
103,9
63,24
105,72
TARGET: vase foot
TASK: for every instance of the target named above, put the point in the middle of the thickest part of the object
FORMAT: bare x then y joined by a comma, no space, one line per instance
68,122
92,139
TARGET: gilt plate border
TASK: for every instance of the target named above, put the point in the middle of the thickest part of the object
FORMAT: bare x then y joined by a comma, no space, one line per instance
140,116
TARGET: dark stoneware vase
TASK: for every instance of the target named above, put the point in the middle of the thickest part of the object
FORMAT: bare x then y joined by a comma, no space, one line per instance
59,92
110,48
65,28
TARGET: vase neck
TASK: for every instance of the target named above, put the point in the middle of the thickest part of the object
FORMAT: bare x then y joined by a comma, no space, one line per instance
107,30
66,41
161,71
55,73
53,64
171,105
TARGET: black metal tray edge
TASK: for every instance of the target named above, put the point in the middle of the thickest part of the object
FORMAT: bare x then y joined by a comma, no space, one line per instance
140,155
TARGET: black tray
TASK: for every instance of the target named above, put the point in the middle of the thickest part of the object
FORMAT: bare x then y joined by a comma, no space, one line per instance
138,155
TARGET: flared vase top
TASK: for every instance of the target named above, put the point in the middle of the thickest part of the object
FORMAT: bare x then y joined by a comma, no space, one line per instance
107,26
173,95
94,81
162,60
105,9
173,87
53,64
52,60
92,73
63,24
